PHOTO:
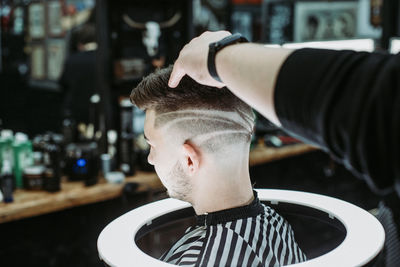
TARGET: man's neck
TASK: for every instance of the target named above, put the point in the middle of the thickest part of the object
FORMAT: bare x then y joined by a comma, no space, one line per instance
221,191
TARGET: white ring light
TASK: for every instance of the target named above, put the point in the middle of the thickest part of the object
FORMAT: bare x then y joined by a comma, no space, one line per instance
364,239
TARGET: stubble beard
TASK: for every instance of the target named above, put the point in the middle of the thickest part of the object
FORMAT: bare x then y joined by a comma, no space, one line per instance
180,188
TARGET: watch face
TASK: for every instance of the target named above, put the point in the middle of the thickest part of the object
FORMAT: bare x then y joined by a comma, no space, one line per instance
217,4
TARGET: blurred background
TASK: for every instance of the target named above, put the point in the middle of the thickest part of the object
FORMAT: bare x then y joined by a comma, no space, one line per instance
72,153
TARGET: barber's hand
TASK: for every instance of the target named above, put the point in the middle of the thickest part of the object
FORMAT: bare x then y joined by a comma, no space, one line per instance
192,60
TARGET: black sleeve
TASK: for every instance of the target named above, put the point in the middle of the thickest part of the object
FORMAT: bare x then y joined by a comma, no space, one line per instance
347,103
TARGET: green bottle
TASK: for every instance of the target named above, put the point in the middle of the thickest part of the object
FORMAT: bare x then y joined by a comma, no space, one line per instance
23,157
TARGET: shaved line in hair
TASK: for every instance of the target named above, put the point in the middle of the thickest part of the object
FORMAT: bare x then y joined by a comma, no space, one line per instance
235,119
211,129
206,136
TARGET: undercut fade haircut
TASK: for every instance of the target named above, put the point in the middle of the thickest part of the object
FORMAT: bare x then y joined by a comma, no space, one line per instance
212,117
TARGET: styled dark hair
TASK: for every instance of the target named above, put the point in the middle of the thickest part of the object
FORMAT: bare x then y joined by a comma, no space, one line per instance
86,34
196,110
154,93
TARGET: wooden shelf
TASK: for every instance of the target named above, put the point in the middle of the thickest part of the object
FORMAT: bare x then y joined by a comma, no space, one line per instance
262,154
33,203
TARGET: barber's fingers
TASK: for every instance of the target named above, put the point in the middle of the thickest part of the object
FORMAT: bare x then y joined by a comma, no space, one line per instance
192,60
178,72
176,75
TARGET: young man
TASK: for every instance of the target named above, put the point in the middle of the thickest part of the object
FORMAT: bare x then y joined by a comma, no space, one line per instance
199,139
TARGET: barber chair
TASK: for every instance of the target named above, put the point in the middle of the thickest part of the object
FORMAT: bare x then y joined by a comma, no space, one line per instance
360,244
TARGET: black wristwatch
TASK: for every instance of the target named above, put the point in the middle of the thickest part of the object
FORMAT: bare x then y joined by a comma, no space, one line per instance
213,48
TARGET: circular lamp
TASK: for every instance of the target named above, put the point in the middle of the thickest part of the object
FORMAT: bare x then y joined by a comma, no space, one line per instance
363,241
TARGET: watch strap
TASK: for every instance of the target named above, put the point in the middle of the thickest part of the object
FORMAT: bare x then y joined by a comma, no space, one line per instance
214,47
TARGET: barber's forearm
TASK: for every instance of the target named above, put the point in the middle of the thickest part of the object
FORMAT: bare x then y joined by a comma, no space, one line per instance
250,71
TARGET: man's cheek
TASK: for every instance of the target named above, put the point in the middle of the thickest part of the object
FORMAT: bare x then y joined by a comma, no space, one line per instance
161,175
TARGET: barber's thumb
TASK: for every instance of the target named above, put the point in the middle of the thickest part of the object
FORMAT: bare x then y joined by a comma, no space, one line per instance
176,76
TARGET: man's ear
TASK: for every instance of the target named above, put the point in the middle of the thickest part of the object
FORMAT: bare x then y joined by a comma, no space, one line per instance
191,158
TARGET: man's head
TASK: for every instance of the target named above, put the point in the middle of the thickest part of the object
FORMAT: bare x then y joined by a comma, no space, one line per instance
84,36
190,128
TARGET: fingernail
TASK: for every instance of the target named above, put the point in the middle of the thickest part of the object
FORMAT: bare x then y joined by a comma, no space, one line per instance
171,83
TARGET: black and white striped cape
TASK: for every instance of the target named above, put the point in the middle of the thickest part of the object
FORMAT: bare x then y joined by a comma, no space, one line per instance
253,235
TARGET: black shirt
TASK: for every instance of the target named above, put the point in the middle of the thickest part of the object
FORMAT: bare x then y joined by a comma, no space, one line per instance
347,103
